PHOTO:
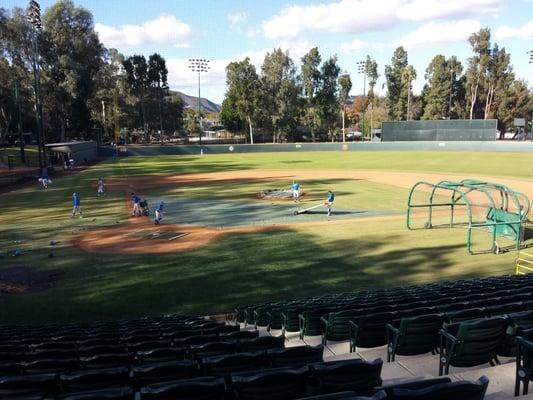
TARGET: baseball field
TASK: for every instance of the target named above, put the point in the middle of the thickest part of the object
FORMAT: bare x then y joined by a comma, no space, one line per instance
220,244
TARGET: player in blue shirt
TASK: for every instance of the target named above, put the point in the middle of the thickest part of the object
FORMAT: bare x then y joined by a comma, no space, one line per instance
45,180
76,203
295,191
136,205
331,198
159,213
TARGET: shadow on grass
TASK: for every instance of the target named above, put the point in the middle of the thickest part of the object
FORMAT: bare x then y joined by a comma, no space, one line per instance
260,267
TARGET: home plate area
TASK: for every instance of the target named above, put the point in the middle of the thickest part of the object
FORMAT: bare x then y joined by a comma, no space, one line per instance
160,235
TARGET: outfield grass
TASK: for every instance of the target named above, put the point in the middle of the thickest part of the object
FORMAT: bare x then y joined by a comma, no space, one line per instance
242,268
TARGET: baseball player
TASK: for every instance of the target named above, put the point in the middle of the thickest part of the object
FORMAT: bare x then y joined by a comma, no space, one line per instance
76,203
100,187
331,198
295,191
136,205
45,180
159,213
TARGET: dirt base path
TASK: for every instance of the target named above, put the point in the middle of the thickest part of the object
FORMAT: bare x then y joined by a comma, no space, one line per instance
120,240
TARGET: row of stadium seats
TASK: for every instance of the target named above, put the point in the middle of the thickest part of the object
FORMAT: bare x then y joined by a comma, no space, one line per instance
62,360
304,316
356,376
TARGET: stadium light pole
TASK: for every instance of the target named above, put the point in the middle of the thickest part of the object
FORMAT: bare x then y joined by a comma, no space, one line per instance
34,17
361,68
530,52
199,65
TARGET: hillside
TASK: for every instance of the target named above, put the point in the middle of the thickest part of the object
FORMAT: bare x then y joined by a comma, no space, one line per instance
192,102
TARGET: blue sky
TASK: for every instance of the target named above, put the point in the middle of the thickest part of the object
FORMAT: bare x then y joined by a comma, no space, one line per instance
229,30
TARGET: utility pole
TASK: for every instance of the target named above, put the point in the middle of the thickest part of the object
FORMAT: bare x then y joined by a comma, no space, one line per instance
103,121
199,65
34,17
361,68
530,52
19,123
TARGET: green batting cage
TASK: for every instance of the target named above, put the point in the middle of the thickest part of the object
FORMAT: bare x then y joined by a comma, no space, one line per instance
476,205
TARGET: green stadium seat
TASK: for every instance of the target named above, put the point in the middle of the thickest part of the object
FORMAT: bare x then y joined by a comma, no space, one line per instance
124,393
208,388
231,363
524,362
464,390
348,395
239,335
471,343
310,321
213,349
356,375
468,314
278,384
162,372
413,335
49,366
369,330
294,356
335,325
161,355
263,343
107,361
94,379
28,385
412,384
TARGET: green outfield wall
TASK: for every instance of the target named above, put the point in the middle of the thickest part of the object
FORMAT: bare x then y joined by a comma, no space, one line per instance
439,130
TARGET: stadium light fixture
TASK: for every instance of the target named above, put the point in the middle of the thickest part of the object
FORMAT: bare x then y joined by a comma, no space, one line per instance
199,65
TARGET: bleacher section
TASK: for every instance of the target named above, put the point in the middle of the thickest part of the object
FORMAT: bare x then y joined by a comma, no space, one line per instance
326,347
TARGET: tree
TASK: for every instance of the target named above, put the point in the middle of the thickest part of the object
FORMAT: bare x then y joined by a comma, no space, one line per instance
345,84
72,56
280,91
157,79
310,78
244,91
477,67
229,116
327,101
408,76
399,76
137,78
371,67
499,78
436,97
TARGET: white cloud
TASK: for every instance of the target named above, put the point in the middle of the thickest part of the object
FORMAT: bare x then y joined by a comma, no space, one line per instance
424,10
523,32
438,33
355,16
166,29
357,45
342,16
236,20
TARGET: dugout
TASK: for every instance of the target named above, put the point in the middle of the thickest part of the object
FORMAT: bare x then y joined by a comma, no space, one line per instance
77,151
439,130
474,205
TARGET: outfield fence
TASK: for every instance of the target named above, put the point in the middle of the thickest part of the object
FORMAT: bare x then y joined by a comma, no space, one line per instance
148,150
